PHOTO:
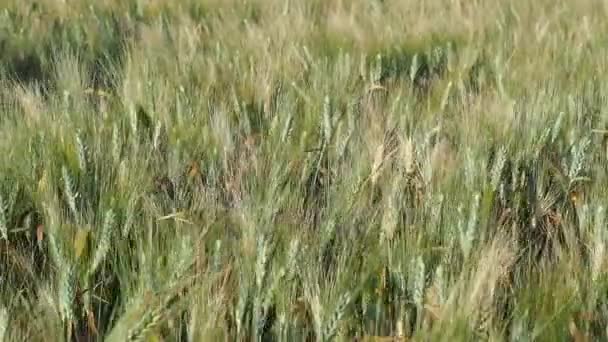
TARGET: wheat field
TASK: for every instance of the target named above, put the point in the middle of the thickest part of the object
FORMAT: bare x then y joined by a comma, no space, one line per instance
314,170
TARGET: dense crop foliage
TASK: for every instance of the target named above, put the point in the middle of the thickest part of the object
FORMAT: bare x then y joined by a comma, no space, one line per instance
275,170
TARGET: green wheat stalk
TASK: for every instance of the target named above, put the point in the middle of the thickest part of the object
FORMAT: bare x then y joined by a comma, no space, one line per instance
3,224
129,216
327,124
217,255
418,281
116,145
103,246
70,195
497,168
332,324
82,153
67,293
4,322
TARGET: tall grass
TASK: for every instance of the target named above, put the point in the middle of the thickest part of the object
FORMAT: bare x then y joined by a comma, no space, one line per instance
303,170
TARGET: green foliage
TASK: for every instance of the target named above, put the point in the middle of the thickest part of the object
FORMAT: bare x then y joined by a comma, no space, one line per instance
302,170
